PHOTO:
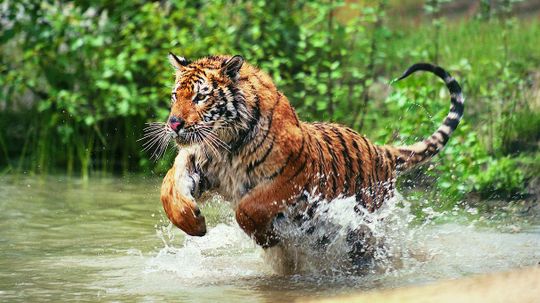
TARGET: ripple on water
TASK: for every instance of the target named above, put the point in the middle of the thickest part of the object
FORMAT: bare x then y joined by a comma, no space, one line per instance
63,243
227,260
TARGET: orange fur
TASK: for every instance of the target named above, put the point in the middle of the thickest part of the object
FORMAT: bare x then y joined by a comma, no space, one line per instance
269,160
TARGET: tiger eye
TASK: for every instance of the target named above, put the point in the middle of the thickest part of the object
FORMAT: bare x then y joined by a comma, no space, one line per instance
199,97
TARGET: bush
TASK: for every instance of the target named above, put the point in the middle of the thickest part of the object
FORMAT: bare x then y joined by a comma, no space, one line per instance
502,179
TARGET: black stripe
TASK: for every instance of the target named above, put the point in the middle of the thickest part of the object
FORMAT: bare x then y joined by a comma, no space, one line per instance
268,128
223,108
377,163
328,142
322,160
458,107
366,142
195,78
249,133
389,165
368,146
347,159
370,155
439,71
453,86
383,166
359,182
355,146
254,165
255,114
295,116
281,169
430,150
444,136
309,138
236,96
298,170
301,149
452,123
403,155
231,95
389,155
359,172
352,132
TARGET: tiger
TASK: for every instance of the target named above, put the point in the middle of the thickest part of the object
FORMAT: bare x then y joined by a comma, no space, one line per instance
238,136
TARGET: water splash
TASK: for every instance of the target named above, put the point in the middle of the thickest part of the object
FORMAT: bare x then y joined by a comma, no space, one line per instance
321,245
111,252
319,249
209,259
339,240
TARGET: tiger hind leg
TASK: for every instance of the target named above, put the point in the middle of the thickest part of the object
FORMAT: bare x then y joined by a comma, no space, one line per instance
362,246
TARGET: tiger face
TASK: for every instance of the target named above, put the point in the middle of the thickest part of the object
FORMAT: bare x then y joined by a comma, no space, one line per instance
206,105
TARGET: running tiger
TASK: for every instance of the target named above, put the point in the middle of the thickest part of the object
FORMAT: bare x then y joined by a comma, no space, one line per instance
239,136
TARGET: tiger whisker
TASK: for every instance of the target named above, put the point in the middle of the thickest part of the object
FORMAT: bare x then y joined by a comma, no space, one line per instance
215,138
163,147
208,143
151,143
160,146
209,139
218,141
157,137
151,135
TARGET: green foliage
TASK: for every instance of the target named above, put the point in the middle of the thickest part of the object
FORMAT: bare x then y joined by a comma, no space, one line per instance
519,130
78,80
502,179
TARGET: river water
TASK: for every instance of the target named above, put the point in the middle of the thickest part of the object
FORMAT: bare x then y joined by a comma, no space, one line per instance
108,240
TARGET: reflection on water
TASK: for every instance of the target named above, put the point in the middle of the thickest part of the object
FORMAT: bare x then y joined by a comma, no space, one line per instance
108,240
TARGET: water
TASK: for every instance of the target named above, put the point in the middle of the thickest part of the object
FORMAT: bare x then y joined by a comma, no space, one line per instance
108,240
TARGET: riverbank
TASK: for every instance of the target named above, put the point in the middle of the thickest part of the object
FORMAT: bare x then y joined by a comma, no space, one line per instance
517,286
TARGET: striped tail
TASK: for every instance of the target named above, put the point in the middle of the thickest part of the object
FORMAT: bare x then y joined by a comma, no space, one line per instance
420,152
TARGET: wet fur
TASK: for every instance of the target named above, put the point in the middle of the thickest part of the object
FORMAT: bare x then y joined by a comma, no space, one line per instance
265,159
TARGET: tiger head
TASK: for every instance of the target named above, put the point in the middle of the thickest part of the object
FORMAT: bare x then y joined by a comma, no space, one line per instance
207,105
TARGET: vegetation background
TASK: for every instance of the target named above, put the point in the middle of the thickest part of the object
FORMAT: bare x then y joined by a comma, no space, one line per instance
79,79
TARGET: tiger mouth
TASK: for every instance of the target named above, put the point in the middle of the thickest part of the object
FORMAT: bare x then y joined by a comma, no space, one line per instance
181,139
186,137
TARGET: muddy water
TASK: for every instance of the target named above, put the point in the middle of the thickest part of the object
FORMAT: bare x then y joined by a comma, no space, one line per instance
62,240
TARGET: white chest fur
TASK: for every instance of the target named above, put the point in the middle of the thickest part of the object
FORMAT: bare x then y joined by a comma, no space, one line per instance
229,177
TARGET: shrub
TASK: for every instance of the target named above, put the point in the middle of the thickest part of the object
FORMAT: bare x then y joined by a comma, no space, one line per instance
502,179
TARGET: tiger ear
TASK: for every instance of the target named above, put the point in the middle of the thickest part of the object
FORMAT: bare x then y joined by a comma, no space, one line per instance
178,62
231,67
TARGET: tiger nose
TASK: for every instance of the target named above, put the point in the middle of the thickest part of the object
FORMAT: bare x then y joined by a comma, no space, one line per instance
176,123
